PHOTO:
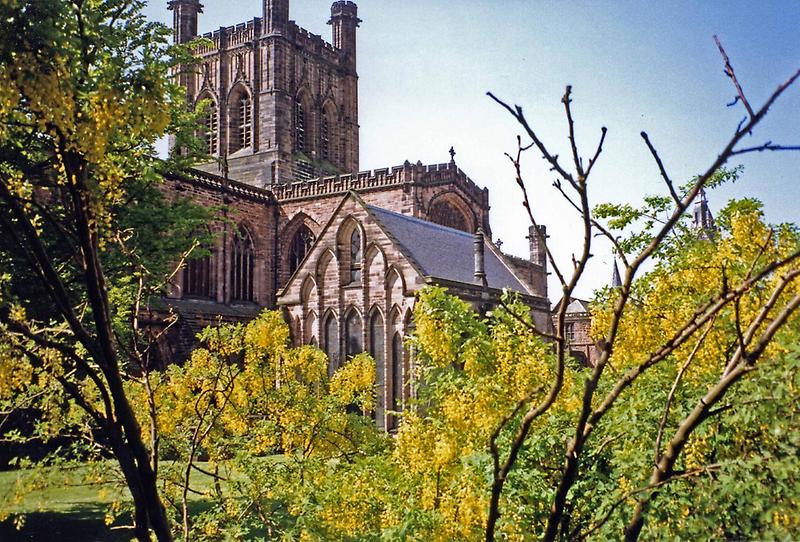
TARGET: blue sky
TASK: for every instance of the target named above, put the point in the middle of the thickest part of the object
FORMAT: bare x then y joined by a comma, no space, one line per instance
425,67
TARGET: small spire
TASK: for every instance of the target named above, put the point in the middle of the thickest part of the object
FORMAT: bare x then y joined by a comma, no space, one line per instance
702,219
616,281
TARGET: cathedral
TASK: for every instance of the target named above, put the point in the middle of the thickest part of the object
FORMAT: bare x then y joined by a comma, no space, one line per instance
341,252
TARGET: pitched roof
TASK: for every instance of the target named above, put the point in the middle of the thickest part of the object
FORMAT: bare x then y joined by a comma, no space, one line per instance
444,253
575,306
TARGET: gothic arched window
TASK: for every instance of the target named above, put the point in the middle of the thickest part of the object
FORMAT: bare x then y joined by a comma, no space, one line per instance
240,115
245,121
377,351
331,338
397,375
448,215
299,125
352,329
242,267
325,138
210,129
309,329
355,255
299,247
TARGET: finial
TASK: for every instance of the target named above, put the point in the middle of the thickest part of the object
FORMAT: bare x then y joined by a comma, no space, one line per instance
452,155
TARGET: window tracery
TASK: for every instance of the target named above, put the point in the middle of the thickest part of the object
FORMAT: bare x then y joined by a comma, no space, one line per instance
198,280
446,214
242,268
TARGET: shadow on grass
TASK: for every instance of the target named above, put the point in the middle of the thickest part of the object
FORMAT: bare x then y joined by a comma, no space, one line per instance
84,522
80,523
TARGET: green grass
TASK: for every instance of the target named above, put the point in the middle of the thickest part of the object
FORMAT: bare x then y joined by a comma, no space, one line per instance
58,504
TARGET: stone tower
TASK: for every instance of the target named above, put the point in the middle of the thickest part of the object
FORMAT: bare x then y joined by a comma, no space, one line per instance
281,104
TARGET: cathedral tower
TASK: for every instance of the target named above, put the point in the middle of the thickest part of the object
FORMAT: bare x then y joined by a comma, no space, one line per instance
281,103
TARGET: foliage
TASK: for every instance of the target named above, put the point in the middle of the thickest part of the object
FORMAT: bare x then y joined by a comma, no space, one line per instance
86,90
744,439
737,477
269,420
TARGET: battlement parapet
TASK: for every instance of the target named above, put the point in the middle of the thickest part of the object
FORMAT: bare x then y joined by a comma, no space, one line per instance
245,33
344,9
407,173
242,33
308,41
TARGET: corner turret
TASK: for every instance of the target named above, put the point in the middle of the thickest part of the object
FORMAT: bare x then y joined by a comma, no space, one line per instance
184,19
276,16
344,20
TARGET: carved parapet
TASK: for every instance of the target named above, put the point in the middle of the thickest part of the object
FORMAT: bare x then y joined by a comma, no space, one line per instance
431,175
450,173
220,184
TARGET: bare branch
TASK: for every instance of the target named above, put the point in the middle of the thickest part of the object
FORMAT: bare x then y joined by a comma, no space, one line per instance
674,388
730,73
661,168
768,146
567,100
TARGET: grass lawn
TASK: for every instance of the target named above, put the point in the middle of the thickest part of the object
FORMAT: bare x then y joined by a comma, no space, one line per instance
63,508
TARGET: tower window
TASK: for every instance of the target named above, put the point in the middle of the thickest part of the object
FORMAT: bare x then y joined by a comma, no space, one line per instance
447,215
240,115
242,268
245,122
301,244
325,138
210,129
299,125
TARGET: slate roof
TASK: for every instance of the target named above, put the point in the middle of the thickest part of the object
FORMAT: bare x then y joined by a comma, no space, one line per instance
444,253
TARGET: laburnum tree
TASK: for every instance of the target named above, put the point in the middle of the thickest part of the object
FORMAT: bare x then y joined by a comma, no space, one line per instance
685,427
270,425
753,300
85,236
